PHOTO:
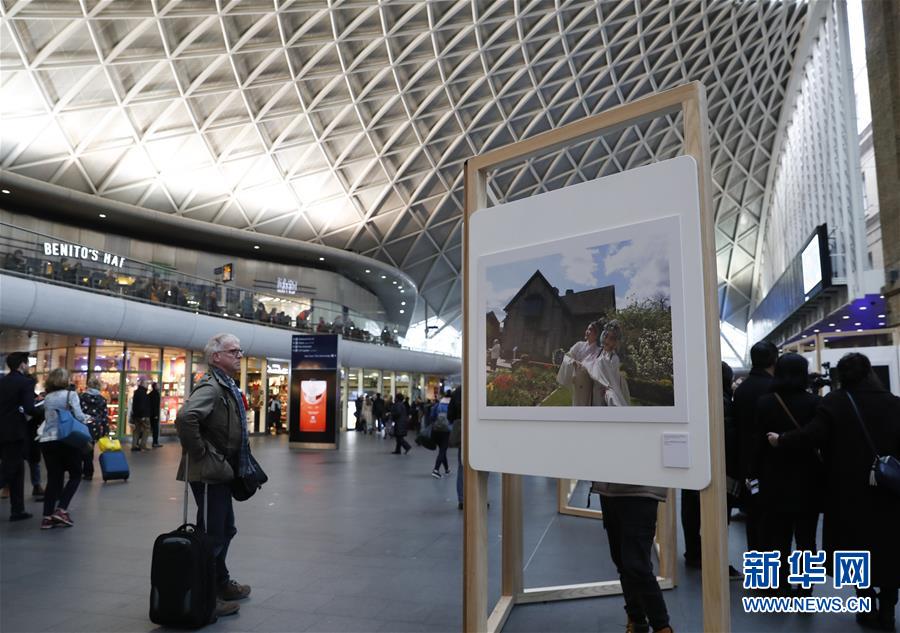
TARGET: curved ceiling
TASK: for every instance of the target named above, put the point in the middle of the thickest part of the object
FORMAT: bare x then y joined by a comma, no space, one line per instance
346,123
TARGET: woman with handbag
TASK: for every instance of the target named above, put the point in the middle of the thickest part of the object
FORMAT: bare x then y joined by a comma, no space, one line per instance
852,424
59,456
790,480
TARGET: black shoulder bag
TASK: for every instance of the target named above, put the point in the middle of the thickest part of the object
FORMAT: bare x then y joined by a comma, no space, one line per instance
885,471
245,486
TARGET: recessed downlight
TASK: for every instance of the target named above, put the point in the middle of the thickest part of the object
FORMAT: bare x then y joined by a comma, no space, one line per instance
103,215
321,259
368,271
6,191
256,247
402,311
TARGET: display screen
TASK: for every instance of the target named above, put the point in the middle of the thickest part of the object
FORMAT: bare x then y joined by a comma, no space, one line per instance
313,405
812,265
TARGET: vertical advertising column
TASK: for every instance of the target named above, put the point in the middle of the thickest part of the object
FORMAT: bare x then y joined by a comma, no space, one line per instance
314,415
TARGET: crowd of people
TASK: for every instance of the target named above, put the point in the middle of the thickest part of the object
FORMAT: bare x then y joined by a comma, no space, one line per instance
192,293
790,456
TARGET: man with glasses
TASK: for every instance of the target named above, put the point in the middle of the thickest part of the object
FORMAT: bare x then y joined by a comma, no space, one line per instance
212,427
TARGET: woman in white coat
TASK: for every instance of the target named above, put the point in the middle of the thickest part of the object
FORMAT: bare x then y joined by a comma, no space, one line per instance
573,370
367,416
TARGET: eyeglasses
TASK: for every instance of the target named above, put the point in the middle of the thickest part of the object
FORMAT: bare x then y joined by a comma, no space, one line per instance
237,351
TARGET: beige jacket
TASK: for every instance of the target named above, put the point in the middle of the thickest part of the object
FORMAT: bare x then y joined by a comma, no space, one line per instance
209,427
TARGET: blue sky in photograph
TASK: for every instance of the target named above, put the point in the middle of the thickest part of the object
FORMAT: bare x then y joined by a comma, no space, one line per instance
638,269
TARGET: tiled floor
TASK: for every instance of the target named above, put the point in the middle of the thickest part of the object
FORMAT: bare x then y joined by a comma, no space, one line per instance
354,540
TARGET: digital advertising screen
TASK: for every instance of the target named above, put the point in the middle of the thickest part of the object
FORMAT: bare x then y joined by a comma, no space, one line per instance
313,415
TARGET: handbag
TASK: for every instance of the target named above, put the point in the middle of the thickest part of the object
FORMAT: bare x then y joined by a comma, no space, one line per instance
797,424
245,486
885,471
72,431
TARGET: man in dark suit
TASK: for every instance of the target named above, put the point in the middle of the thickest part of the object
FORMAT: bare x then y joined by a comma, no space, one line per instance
16,401
762,358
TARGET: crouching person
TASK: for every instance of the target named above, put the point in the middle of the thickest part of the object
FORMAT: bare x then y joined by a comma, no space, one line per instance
212,428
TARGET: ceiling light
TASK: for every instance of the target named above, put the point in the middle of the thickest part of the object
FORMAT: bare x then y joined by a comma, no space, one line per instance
863,308
859,330
256,247
831,325
395,331
394,282
402,290
838,330
402,311
882,323
880,316
403,303
321,259
368,271
384,276
845,316
857,323
4,190
816,331
102,215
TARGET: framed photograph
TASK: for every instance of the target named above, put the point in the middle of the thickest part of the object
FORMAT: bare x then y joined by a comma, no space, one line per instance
588,353
585,321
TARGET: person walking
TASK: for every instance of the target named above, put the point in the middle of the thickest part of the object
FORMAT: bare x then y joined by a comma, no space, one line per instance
273,414
212,429
93,404
852,425
762,358
16,406
454,413
440,433
629,517
378,410
154,402
140,416
59,457
790,480
367,415
400,417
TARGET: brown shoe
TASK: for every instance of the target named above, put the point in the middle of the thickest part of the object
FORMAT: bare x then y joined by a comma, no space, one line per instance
226,608
637,627
234,590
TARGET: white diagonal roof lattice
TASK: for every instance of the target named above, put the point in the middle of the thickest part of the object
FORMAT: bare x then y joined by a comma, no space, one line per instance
346,123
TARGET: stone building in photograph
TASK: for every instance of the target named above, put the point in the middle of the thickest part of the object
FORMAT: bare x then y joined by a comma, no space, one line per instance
540,321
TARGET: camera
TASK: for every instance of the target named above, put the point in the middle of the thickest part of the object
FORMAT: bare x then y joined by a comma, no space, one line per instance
817,381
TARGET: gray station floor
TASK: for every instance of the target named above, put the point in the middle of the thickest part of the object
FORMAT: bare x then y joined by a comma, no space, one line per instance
354,540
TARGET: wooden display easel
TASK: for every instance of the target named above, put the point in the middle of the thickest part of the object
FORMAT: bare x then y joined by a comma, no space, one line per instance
689,99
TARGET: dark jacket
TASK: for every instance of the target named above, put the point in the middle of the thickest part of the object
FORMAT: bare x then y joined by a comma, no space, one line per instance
454,411
140,403
16,390
401,419
857,516
209,427
790,479
732,440
153,397
378,407
757,384
94,405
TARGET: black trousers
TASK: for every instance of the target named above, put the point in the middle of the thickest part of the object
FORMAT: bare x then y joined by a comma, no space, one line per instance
154,429
87,463
12,473
401,442
220,528
782,529
690,524
755,522
442,439
60,459
630,524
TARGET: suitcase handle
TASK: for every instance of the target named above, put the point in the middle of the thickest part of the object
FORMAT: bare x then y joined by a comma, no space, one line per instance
187,460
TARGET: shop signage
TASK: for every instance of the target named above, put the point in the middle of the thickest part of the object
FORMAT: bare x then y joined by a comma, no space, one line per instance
63,249
285,286
277,369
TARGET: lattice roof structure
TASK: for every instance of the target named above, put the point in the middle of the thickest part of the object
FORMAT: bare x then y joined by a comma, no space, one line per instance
346,123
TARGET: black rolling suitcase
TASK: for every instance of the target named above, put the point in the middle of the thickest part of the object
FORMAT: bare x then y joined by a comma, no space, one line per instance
183,575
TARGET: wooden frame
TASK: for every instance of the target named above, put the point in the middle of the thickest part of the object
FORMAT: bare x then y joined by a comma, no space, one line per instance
690,99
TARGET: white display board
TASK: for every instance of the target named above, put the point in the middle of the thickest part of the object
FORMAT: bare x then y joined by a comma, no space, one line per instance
634,236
